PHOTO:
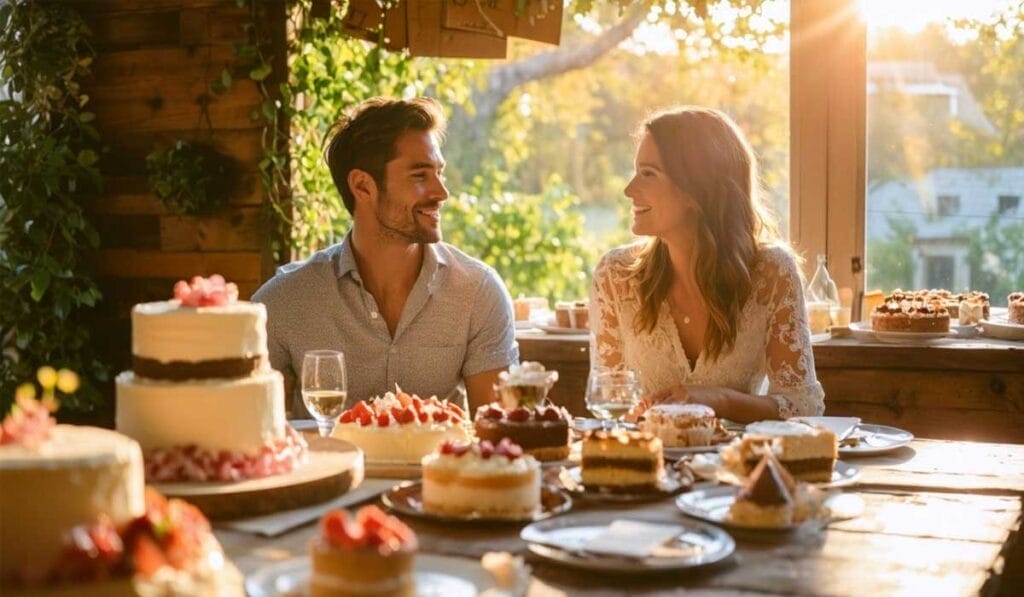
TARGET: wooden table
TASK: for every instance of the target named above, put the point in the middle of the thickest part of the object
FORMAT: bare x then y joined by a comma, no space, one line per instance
942,518
966,389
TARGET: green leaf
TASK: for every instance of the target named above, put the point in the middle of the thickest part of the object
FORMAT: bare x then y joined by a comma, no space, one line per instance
260,72
87,157
86,117
40,282
225,78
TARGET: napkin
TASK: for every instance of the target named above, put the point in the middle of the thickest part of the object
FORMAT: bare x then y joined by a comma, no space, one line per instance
631,538
271,525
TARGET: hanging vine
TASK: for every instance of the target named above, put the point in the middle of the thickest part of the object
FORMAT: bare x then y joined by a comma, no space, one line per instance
49,149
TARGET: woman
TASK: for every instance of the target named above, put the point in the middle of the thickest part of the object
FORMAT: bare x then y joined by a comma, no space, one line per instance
710,305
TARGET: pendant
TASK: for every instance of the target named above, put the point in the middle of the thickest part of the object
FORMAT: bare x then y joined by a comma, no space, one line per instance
686,319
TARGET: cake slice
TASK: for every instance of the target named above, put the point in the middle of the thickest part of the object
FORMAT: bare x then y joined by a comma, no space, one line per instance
542,431
906,312
622,461
369,554
1015,308
808,452
681,425
766,500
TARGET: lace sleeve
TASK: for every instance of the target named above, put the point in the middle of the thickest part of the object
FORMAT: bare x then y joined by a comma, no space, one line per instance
790,361
605,334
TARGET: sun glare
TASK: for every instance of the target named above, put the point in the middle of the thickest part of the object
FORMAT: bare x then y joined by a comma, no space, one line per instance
914,15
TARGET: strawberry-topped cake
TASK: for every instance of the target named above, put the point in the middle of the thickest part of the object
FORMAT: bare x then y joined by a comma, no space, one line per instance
542,431
201,397
370,553
399,427
76,518
465,479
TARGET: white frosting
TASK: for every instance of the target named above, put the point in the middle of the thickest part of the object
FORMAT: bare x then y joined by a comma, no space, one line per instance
166,332
470,464
79,474
529,373
239,415
407,443
780,428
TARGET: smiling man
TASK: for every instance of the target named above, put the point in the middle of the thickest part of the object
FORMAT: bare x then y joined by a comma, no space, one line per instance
403,306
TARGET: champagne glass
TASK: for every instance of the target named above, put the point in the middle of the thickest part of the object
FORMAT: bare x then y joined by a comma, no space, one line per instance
324,387
611,394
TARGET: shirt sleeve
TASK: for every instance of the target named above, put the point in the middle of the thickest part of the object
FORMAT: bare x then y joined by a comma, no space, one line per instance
606,335
492,335
792,382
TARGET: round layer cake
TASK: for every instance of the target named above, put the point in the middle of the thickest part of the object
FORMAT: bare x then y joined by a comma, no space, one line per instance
910,316
399,427
170,341
78,475
681,425
467,479
542,431
370,554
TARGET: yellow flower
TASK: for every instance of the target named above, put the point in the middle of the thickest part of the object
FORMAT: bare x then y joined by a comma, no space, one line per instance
25,391
67,381
47,377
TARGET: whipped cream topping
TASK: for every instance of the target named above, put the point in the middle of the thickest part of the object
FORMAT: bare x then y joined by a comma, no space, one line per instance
471,463
529,373
780,428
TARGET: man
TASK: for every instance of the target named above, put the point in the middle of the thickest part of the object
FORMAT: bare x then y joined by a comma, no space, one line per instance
403,306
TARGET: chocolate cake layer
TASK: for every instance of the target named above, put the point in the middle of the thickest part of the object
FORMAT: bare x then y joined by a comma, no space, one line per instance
546,434
631,464
799,467
183,370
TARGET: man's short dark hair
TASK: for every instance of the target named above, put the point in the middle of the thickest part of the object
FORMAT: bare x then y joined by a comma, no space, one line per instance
365,138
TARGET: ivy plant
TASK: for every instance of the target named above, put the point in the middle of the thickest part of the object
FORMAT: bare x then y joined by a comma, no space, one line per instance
191,178
49,150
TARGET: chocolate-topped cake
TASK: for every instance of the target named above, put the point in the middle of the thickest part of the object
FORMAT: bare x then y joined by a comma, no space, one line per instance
542,431
907,312
767,498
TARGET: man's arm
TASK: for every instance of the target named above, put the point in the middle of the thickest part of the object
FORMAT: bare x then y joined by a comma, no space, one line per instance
480,389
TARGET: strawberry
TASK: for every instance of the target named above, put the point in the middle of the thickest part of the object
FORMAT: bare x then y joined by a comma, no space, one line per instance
423,417
406,416
447,448
396,411
486,449
147,557
404,398
493,412
519,415
347,417
362,408
417,404
383,419
440,416
551,413
365,419
455,409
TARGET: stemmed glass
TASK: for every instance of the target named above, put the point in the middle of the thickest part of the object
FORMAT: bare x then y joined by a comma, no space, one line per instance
612,393
324,387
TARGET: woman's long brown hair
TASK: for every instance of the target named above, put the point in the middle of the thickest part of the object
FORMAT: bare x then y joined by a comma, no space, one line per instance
708,158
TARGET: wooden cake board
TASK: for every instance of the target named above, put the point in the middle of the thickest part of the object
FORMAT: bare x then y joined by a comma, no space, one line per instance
334,468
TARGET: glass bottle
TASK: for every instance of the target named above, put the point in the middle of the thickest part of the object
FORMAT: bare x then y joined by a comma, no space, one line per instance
822,299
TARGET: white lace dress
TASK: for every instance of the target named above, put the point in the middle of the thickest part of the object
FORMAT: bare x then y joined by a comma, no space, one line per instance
773,341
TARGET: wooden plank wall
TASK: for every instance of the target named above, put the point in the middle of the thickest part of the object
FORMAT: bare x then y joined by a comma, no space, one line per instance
155,61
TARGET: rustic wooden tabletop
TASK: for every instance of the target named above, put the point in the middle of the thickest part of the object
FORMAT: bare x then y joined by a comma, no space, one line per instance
941,518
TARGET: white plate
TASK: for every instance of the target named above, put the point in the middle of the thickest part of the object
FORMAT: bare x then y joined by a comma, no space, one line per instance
561,540
671,483
677,453
876,439
712,505
1002,329
407,498
436,576
863,331
841,426
554,329
709,467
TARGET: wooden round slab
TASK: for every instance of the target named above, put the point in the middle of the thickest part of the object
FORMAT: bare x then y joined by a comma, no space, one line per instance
334,468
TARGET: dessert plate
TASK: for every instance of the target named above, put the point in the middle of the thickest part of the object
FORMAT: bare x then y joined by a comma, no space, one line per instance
677,453
841,426
863,331
435,575
562,540
407,498
712,505
868,440
554,329
709,467
1002,329
671,483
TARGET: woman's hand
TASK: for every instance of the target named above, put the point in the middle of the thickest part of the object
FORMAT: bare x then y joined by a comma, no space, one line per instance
715,397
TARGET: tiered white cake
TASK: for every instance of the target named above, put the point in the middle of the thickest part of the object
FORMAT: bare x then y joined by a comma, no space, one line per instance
201,398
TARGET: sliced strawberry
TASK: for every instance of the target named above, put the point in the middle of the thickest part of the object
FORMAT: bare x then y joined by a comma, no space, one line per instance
440,416
396,411
551,413
362,408
347,417
147,557
365,419
417,404
383,419
486,449
492,412
423,417
406,416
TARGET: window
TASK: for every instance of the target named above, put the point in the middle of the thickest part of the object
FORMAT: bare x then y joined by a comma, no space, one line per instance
947,205
906,112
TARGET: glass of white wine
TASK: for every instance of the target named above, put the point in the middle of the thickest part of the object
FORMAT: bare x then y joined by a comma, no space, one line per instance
612,393
324,387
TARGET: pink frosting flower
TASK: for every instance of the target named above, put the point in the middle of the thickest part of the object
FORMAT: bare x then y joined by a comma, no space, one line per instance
205,292
29,422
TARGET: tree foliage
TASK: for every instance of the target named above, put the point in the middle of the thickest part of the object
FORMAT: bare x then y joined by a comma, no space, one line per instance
48,155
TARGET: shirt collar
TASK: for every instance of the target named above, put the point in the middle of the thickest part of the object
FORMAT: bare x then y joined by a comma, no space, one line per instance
434,257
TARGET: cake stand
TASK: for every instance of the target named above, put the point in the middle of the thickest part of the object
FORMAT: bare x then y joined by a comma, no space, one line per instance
334,468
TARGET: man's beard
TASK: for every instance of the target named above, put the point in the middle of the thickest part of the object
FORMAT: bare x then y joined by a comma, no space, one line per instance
403,225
